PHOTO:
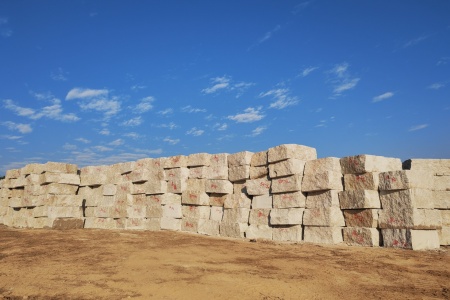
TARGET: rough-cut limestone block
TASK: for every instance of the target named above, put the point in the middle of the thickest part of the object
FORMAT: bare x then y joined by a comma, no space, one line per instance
91,195
176,173
64,200
109,189
286,151
322,165
218,166
15,202
16,193
436,166
68,223
217,199
286,216
233,230
287,233
172,211
196,184
198,172
359,164
401,180
411,198
236,215
359,199
259,172
208,227
18,182
154,211
320,199
262,201
287,200
150,187
216,213
441,183
60,189
286,184
355,236
176,162
237,201
36,179
102,211
326,216
56,167
445,216
411,218
135,224
13,173
143,175
104,223
170,198
196,212
259,186
126,167
366,181
444,235
441,199
42,223
323,181
194,198
189,224
411,239
258,232
136,211
118,211
286,167
40,211
140,199
219,186
237,173
64,212
93,179
361,218
259,159
199,159
32,169
153,224
259,216
240,158
168,223
47,177
323,235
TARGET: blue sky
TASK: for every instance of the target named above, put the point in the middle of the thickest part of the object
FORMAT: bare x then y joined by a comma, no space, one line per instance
100,82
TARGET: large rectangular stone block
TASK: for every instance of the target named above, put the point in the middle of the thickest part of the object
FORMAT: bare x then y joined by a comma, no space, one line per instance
286,184
104,223
445,216
135,224
153,224
286,216
359,164
361,218
218,167
219,186
287,233
410,198
233,230
198,172
32,169
194,184
237,173
13,173
259,186
366,181
194,198
199,159
168,223
64,200
189,224
196,212
236,215
436,166
216,213
172,211
259,159
56,167
136,211
218,199
149,187
411,218
262,201
154,211
323,235
143,175
258,232
208,227
259,172
286,167
237,201
441,199
359,199
401,180
177,186
62,178
444,235
321,165
60,189
287,200
411,239
322,199
64,212
68,223
259,216
176,174
355,236
109,189
325,216
286,151
328,180
441,183
178,161
118,211
240,159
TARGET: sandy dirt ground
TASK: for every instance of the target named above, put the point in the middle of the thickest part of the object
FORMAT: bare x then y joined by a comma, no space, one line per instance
101,264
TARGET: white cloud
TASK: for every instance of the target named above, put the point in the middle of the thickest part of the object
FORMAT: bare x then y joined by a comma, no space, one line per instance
415,41
138,87
436,86
102,148
171,141
220,127
133,122
190,109
53,111
342,79
108,107
195,132
282,98
83,140
308,70
170,126
258,130
69,147
20,111
249,115
132,135
418,127
382,97
59,75
117,142
269,34
218,84
145,105
22,128
80,93
346,85
11,137
167,111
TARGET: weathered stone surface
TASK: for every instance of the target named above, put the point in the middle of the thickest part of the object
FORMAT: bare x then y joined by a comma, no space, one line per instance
436,166
136,211
126,167
198,172
361,218
445,216
39,211
143,175
293,233
118,211
366,181
238,173
109,189
259,159
401,180
286,216
176,173
410,198
259,172
219,186
208,227
177,185
64,200
194,184
286,184
196,212
410,239
189,225
237,201
444,235
359,164
218,199
259,216
359,199
168,223
236,215
32,169
323,235
18,182
262,201
178,161
287,200
64,212
42,223
218,167
135,224
150,187
286,167
233,230
104,223
216,213
441,199
321,165
320,199
286,151
240,159
323,181
60,189
152,224
68,223
258,232
411,218
240,187
325,216
170,198
356,236
194,198
441,183
56,167
199,159
259,186
13,173
172,211
62,178
153,211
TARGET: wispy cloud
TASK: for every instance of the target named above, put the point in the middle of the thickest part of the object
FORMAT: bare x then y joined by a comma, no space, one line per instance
382,97
281,97
137,87
308,70
59,75
418,127
218,83
342,79
443,61
436,86
83,140
195,132
81,93
220,126
133,122
22,128
415,41
170,126
171,141
249,115
102,148
69,147
167,111
269,34
144,105
258,130
133,135
190,109
11,137
117,142
53,111
301,6
225,83
105,106
105,131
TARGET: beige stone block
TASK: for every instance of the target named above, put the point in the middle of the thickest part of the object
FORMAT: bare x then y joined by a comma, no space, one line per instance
42,223
13,173
240,159
258,232
109,189
40,211
126,167
259,216
150,187
93,179
441,199
199,159
411,218
143,175
320,199
139,199
198,172
194,198
32,169
259,159
359,164
366,181
172,211
16,202
36,179
411,239
218,168
259,186
177,186
19,182
233,230
170,198
62,178
154,211
286,167
208,227
60,189
189,225
262,201
410,198
326,216
355,236
104,223
219,186
323,181
287,233
168,223
196,185
68,223
118,211
359,199
154,200
321,165
445,216
236,215
102,211
287,200
238,173
64,200
89,212
401,180
441,183
259,172
444,235
323,235
217,199
286,216
176,173
286,151
436,166
361,218
64,212
57,167
135,224
237,201
153,224
176,162
196,212
216,213
286,184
